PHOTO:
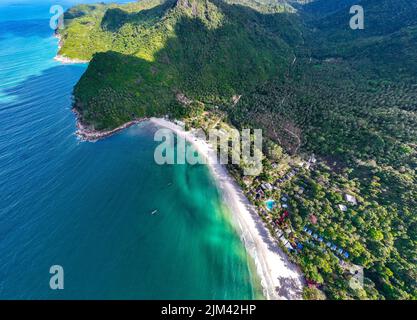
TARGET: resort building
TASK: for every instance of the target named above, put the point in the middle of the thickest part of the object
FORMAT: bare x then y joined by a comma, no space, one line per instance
266,186
351,199
342,207
180,123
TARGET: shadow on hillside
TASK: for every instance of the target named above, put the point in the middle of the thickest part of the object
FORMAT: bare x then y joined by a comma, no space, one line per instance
205,62
115,18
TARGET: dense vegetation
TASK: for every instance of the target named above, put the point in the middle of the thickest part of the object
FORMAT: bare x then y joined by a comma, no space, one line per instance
311,83
351,99
208,50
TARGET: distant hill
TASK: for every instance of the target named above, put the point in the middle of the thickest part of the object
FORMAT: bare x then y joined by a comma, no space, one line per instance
322,8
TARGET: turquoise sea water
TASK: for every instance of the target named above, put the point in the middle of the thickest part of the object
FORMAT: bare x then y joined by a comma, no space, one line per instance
87,206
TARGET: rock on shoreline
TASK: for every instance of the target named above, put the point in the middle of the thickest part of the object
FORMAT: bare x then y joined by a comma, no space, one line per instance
66,60
85,133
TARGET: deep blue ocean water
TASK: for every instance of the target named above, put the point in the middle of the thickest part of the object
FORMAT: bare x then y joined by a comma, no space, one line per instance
87,206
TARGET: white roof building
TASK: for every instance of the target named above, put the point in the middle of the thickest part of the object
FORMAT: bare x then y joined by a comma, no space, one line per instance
342,207
312,159
351,199
180,123
266,186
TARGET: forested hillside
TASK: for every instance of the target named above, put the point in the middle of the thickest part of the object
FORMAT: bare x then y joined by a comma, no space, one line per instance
351,99
315,86
384,49
207,50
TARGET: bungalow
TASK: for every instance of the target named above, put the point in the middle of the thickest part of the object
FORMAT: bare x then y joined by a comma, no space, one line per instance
289,246
351,199
259,194
286,243
312,159
266,186
180,123
342,207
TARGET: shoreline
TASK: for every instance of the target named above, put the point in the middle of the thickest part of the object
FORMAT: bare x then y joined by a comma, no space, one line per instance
63,59
280,278
91,135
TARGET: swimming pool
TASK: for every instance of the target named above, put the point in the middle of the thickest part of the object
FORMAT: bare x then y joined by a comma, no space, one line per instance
270,204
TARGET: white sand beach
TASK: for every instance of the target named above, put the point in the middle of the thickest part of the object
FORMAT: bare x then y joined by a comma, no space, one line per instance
280,278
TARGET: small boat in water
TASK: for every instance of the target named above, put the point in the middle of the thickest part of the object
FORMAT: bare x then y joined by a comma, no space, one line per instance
153,212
